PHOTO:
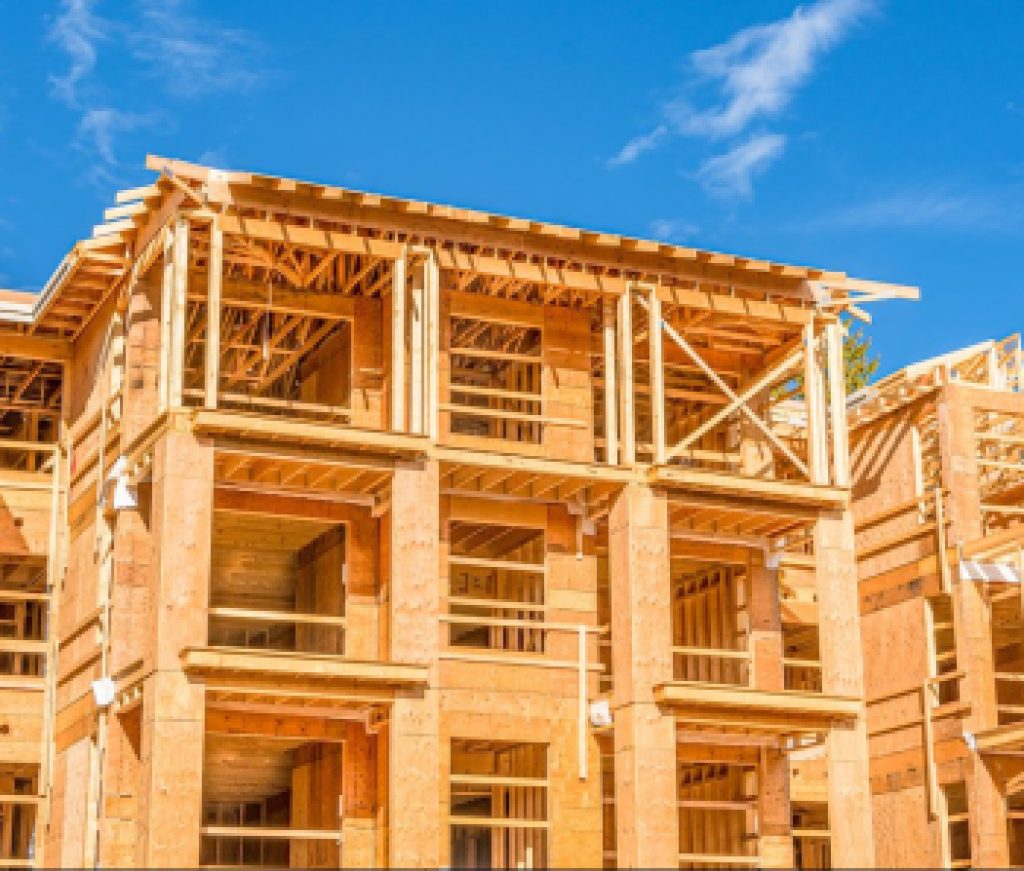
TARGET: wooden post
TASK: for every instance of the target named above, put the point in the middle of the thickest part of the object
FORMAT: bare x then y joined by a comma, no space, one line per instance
646,817
432,344
416,349
178,309
627,422
166,294
398,344
817,460
657,365
215,266
837,405
611,399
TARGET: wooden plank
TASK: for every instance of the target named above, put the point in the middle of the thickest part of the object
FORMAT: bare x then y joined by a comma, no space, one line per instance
398,319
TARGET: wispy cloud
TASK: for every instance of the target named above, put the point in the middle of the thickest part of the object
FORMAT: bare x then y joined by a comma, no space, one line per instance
191,55
194,56
78,32
757,71
731,174
638,145
750,78
99,127
672,229
942,208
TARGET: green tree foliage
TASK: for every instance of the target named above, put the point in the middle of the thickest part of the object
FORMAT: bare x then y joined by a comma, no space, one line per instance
860,364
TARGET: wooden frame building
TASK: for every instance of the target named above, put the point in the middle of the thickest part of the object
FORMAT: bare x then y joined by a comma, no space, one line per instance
938,500
377,532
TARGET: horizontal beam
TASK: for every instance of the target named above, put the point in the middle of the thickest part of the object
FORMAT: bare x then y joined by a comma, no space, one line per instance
35,348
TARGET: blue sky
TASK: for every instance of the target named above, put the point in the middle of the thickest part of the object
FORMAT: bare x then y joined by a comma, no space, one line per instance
880,137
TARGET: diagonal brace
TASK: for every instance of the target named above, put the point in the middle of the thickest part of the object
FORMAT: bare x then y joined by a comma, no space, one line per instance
729,392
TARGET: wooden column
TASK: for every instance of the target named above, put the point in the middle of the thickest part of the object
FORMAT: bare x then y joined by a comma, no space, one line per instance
842,673
766,647
359,800
414,787
611,399
416,352
398,294
657,366
432,344
647,822
215,267
627,421
766,652
174,706
179,304
166,306
814,397
774,812
837,405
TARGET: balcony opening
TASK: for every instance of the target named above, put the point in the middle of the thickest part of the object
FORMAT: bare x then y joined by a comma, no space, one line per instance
277,583
18,805
30,407
718,818
495,381
301,332
23,617
498,814
812,837
942,649
957,834
496,587
1008,653
802,657
270,803
710,622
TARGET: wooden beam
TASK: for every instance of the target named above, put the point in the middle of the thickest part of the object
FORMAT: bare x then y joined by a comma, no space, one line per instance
35,348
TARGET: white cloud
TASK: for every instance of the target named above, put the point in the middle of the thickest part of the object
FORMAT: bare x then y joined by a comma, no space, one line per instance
752,76
758,69
638,145
941,208
672,229
730,174
98,128
77,31
194,56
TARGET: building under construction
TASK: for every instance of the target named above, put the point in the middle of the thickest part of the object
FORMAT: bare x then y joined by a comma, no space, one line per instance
342,530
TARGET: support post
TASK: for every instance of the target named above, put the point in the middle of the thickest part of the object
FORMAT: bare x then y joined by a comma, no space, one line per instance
215,266
657,367
837,405
432,344
647,817
398,344
178,307
414,746
166,306
418,298
817,459
627,421
611,399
